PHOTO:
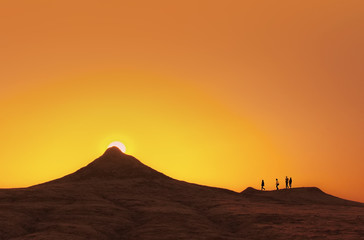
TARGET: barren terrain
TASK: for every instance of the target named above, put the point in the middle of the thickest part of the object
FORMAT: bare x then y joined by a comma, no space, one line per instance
118,197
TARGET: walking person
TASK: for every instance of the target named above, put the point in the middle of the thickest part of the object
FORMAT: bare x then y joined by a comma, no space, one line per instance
286,182
262,185
290,182
277,184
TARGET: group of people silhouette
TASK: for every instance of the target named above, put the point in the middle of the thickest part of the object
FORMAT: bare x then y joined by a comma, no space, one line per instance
288,183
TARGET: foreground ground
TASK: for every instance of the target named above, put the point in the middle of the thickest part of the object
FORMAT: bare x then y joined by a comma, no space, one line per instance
117,197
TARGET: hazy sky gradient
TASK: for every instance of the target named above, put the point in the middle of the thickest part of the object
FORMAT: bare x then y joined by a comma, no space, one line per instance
222,93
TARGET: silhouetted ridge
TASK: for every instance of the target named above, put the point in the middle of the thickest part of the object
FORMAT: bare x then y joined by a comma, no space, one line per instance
249,190
113,152
114,164
302,195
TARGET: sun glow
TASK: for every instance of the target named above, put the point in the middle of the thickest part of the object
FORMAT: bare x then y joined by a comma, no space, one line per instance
119,145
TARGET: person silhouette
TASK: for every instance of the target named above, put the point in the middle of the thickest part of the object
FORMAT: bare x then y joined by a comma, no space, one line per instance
286,182
290,182
277,184
262,185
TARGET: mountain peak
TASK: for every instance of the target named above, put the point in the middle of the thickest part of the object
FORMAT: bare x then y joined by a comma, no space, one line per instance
114,164
113,151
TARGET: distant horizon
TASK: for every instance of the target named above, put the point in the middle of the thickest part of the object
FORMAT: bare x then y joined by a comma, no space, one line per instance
241,191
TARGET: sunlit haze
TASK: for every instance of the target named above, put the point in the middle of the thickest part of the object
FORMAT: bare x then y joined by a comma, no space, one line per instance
219,93
119,145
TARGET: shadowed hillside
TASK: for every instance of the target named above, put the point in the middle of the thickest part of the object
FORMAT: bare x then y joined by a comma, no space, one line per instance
113,164
302,195
118,197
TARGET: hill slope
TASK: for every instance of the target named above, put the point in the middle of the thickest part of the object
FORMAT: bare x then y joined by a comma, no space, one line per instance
118,197
113,164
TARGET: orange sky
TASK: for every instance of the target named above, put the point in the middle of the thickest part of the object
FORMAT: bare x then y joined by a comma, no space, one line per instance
222,93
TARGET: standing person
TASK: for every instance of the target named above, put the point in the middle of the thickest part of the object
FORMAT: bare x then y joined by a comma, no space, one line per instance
277,184
290,182
262,185
286,182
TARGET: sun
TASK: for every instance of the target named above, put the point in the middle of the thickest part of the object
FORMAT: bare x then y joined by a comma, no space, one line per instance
119,145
